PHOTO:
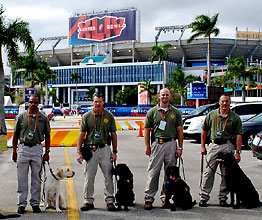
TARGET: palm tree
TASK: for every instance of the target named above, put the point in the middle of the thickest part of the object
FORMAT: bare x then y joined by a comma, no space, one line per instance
205,26
160,52
90,92
147,86
179,82
74,78
237,69
221,81
26,66
42,75
11,33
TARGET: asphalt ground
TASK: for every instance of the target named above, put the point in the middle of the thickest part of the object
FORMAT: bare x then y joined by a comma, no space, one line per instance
132,152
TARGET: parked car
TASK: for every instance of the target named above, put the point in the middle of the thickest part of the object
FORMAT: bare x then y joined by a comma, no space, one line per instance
257,146
202,110
192,126
250,128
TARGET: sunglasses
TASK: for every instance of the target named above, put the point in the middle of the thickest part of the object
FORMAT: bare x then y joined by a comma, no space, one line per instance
32,102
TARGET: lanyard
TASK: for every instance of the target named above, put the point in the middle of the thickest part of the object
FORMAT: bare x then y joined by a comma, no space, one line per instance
100,121
224,124
29,120
165,114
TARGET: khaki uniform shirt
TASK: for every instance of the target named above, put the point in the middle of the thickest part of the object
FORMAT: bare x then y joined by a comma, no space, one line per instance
88,125
173,120
21,128
233,125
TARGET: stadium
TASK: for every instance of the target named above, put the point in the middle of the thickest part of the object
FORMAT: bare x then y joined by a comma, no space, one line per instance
105,50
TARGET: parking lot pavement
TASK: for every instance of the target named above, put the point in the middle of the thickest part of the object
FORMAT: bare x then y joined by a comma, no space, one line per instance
132,152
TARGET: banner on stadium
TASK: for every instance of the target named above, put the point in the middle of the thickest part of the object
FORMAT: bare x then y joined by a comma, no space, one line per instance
251,35
98,28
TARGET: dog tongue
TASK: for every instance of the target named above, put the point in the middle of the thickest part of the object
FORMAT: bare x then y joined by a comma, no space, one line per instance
172,178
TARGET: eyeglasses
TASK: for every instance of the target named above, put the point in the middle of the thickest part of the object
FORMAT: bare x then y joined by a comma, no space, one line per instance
33,102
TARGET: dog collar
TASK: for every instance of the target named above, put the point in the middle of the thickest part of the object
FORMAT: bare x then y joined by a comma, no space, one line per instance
52,173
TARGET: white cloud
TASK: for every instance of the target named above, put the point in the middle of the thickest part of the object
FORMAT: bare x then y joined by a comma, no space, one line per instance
35,13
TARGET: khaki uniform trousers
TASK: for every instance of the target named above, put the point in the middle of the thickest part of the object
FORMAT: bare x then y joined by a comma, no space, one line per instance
100,157
210,170
160,153
29,157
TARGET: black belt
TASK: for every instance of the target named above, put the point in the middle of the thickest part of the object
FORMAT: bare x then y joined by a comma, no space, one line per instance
29,145
220,141
164,140
94,147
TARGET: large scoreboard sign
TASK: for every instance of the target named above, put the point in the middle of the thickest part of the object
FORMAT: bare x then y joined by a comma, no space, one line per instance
108,27
197,90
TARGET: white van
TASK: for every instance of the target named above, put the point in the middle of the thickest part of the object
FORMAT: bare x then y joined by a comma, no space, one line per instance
245,110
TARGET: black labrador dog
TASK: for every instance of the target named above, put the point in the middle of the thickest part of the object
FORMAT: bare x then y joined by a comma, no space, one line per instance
238,184
125,195
177,190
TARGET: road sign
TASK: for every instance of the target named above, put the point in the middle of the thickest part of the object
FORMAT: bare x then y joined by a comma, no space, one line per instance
28,93
197,90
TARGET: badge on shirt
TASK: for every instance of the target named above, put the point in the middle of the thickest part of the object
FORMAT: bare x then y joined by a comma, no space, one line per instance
162,125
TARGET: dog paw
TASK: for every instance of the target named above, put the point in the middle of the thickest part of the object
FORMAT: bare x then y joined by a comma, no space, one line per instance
59,210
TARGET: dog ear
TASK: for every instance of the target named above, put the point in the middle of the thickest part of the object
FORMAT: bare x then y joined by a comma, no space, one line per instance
60,173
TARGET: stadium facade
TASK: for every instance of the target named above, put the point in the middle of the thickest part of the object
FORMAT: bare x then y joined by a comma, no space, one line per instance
105,50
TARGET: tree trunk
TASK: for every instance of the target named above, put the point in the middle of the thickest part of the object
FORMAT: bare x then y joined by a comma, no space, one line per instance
208,61
243,90
2,111
182,99
76,97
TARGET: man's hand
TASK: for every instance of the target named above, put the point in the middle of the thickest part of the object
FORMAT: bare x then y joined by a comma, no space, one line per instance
14,156
178,153
46,156
203,150
113,157
79,158
148,151
238,158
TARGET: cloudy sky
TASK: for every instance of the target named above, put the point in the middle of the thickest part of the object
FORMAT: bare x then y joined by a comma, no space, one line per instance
50,17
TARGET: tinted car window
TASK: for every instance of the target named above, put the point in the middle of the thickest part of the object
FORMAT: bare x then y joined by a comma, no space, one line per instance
249,109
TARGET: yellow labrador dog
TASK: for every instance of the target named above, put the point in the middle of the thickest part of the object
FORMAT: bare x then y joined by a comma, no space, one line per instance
53,195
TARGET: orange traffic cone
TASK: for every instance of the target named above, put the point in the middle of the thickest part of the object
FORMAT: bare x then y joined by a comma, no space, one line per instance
140,134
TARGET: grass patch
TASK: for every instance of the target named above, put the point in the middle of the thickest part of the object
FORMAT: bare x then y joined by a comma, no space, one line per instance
3,143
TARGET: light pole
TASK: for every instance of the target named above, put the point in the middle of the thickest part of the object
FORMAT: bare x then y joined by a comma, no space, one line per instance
227,63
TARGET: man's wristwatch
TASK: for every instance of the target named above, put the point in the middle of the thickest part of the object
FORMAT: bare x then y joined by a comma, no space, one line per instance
115,151
238,151
47,151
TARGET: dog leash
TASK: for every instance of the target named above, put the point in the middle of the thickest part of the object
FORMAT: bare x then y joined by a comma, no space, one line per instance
115,185
43,181
180,161
201,170
51,171
212,168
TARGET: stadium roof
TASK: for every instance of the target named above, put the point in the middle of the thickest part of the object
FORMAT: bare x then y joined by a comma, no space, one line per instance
126,52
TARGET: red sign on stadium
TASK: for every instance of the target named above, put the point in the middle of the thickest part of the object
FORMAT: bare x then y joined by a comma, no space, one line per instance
118,26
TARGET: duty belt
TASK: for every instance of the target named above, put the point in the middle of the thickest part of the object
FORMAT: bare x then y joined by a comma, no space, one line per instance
94,147
28,144
163,140
220,141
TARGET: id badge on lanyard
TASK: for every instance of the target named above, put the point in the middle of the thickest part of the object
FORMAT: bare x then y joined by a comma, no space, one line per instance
162,125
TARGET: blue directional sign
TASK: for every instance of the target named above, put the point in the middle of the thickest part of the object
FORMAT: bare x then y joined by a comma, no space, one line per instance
28,93
197,90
